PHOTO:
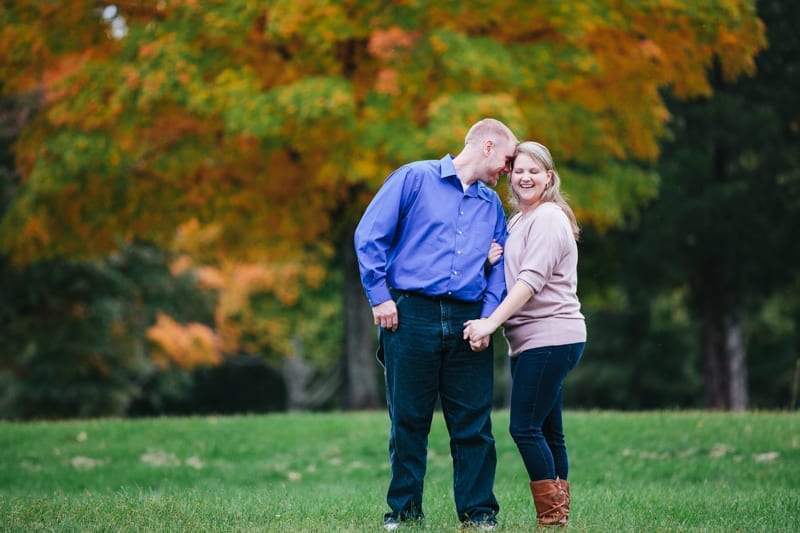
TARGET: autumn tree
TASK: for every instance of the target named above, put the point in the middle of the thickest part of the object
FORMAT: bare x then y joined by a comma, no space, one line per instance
273,124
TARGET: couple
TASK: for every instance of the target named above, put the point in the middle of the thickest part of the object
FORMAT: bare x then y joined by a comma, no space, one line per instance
430,252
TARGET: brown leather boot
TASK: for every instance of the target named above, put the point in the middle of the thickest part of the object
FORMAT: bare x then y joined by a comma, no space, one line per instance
564,484
549,499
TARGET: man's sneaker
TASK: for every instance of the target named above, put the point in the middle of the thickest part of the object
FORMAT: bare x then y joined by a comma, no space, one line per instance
490,524
391,524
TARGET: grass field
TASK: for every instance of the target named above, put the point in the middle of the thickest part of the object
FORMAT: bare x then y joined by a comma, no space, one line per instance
659,471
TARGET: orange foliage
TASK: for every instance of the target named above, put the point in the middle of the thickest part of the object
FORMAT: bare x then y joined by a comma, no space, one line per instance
66,67
387,82
236,322
185,346
390,43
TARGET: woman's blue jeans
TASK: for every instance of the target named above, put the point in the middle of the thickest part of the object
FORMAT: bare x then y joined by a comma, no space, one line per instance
427,357
536,426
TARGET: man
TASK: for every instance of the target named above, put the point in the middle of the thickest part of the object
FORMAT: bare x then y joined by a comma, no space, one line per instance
422,246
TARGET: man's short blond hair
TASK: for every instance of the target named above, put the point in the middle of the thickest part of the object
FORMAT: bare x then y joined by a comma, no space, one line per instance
489,128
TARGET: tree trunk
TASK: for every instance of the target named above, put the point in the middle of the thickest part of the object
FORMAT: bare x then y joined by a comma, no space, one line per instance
361,382
304,389
725,355
723,339
296,375
736,357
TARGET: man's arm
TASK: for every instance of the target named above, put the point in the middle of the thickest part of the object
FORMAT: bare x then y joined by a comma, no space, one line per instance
375,235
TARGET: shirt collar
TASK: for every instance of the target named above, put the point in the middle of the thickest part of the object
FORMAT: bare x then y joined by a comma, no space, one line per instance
448,170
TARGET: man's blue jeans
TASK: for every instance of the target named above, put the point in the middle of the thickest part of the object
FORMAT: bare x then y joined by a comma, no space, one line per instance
427,357
536,425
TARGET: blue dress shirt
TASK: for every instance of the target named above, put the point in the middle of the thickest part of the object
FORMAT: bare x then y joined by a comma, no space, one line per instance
423,233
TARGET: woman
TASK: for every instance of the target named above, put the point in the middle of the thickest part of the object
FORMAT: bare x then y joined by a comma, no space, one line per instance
543,325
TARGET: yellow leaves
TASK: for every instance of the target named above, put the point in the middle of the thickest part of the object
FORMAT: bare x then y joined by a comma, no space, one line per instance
152,84
319,21
737,50
185,346
477,62
366,168
450,112
151,49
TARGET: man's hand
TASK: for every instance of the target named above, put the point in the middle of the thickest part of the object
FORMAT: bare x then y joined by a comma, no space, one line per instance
479,332
480,344
385,315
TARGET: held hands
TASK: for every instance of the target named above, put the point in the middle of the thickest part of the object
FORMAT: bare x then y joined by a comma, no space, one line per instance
479,333
385,315
479,345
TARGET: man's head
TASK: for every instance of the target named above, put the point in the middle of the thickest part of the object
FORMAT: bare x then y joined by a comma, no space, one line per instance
490,144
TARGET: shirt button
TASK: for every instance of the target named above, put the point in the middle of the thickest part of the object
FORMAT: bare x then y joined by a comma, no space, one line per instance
455,273
458,251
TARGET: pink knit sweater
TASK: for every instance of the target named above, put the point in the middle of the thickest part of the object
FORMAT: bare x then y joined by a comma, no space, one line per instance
542,252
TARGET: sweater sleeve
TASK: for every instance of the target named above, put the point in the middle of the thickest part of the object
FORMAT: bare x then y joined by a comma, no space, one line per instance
544,246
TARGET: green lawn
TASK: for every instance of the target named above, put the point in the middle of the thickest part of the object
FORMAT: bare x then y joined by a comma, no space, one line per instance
659,471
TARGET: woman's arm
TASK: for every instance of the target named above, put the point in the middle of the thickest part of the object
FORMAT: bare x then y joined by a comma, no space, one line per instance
474,330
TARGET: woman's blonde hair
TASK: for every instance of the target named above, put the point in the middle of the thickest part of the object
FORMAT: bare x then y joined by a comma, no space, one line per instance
552,192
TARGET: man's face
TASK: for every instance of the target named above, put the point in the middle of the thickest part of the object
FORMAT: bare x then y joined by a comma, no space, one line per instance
499,162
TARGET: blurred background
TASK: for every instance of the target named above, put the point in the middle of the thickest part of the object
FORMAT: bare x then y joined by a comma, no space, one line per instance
180,181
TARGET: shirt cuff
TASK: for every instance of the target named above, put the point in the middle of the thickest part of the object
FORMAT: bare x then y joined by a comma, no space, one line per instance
378,295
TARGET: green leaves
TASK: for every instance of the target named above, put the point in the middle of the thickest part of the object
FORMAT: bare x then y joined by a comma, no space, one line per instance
473,59
283,112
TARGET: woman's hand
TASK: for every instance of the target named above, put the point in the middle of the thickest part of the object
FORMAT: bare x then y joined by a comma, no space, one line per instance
476,329
495,251
479,333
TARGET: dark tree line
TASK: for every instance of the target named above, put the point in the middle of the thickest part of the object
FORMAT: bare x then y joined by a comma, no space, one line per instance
707,275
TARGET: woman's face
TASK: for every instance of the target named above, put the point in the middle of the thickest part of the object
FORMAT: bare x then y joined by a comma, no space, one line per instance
529,179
